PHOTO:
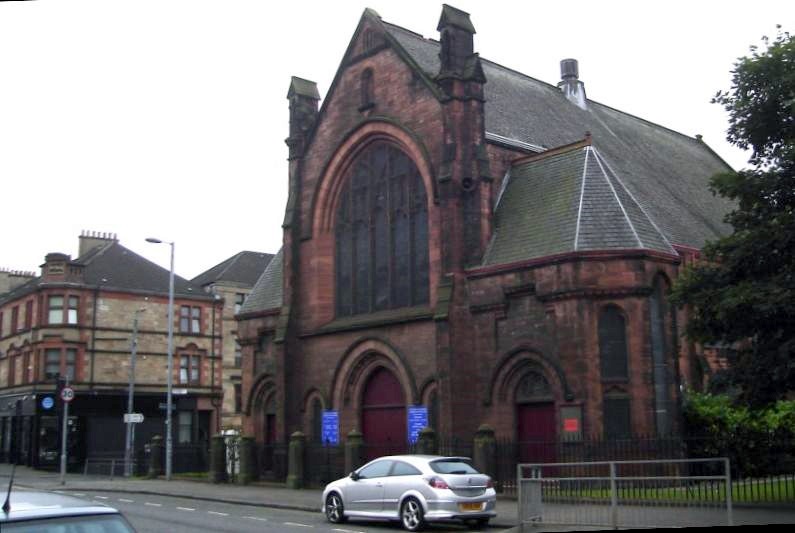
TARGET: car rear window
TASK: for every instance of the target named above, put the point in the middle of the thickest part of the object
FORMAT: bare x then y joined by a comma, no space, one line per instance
70,524
452,466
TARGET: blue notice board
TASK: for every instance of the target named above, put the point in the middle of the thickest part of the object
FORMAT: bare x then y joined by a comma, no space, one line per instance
331,428
417,419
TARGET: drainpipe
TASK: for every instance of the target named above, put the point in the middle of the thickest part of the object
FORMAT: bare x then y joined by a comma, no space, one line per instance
93,336
213,400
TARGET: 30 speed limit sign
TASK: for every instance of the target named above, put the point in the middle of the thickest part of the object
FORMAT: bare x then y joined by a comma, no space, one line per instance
67,394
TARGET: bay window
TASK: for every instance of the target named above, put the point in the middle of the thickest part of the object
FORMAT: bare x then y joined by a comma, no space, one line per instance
57,314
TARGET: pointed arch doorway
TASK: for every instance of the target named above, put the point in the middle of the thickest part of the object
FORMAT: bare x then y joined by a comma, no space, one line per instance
383,415
536,426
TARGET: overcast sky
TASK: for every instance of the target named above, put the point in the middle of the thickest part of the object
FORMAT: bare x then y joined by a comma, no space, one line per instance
167,118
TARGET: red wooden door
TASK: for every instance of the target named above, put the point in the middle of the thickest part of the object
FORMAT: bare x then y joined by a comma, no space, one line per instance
536,432
383,415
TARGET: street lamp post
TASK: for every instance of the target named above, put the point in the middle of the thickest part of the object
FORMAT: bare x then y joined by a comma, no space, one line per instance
130,440
169,444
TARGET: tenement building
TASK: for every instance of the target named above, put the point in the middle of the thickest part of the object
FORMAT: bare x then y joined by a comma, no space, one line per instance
76,323
232,280
464,245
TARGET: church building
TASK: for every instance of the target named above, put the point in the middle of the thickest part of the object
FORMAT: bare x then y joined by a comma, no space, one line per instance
466,245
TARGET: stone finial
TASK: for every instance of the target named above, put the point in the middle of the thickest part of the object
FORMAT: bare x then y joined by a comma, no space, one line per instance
452,16
303,88
456,36
303,96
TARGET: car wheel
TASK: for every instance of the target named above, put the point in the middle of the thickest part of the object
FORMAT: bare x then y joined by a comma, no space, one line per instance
412,515
335,511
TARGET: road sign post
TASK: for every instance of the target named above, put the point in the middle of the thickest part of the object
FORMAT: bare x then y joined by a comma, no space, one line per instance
67,395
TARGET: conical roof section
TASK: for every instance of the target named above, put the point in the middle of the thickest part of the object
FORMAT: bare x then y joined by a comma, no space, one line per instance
569,202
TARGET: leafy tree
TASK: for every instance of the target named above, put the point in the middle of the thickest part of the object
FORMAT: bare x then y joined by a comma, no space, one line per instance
744,291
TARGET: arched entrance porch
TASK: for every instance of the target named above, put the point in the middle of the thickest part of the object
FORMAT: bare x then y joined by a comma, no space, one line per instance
383,415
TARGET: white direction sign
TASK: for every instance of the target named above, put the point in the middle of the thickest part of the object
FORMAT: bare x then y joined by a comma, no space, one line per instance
67,394
133,418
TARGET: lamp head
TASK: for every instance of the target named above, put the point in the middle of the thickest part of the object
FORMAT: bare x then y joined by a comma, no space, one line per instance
153,240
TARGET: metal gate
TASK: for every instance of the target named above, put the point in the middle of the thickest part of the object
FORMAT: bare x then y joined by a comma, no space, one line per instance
622,494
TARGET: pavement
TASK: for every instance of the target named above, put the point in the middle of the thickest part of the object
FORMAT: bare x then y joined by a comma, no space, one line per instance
277,495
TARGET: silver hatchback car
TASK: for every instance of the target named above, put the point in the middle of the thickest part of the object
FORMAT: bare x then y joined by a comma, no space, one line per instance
414,489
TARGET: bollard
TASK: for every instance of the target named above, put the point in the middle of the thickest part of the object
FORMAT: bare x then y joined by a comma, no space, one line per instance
354,450
295,461
248,460
217,472
485,451
427,443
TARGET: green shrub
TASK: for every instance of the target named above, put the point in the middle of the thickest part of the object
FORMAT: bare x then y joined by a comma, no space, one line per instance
757,442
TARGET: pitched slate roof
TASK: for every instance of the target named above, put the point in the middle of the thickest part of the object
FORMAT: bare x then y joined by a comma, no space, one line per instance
578,202
665,171
647,186
112,266
267,291
244,268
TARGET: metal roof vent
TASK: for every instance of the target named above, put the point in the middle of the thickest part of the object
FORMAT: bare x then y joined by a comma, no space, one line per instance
571,86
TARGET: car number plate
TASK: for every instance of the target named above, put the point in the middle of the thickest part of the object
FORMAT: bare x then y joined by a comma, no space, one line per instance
470,506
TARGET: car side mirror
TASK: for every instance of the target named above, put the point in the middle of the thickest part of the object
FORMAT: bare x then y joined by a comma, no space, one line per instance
354,476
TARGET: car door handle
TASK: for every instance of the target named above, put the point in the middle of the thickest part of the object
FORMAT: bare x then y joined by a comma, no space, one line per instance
379,484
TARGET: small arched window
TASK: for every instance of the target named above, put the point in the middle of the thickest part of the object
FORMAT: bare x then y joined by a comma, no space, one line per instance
367,88
613,343
381,234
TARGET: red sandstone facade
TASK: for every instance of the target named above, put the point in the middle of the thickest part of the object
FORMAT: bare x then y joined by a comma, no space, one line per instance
515,346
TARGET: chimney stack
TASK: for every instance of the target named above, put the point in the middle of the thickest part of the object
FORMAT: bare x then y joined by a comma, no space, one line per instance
572,87
92,239
11,279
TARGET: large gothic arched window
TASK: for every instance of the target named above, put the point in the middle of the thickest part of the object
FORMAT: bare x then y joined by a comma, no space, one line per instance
381,234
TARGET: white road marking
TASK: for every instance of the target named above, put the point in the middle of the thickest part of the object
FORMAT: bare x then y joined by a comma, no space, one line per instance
153,504
126,501
185,509
347,531
256,518
296,524
101,497
79,493
217,513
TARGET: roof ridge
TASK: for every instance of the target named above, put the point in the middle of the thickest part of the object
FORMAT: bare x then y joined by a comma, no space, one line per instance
582,198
